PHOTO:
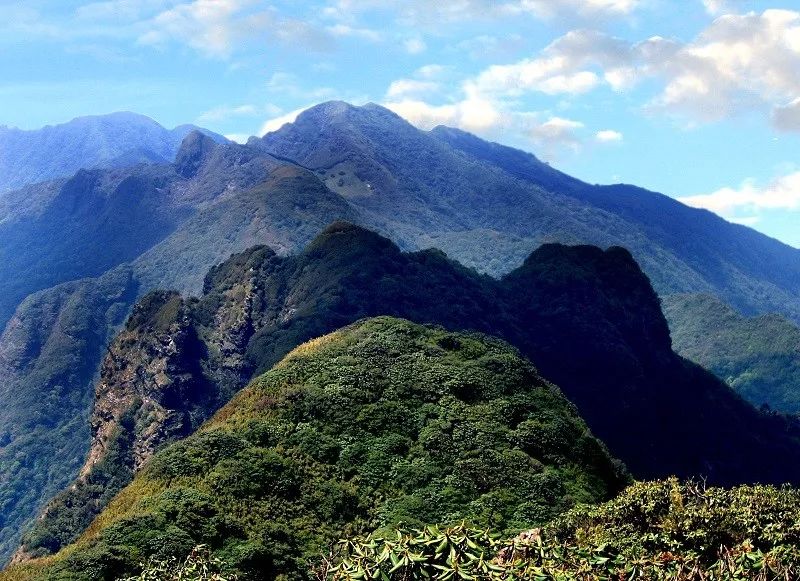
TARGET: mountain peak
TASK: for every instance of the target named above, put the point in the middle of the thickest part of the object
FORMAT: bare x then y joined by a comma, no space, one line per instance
344,238
341,112
194,150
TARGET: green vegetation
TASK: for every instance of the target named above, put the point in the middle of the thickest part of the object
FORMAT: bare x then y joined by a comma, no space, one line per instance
50,354
382,424
587,318
200,565
654,530
486,205
759,356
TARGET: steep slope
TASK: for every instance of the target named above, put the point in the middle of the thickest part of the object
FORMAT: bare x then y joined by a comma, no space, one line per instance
99,219
51,349
489,206
759,357
115,140
380,423
587,318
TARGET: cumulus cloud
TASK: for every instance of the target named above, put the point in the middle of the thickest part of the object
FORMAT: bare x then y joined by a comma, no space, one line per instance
216,28
584,8
289,84
125,11
717,7
210,26
557,132
739,63
343,30
787,117
415,46
224,112
750,199
575,63
471,114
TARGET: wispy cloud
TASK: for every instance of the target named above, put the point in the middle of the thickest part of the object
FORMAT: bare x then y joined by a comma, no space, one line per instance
427,13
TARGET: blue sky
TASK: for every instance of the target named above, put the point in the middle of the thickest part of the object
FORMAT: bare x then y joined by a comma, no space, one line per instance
699,99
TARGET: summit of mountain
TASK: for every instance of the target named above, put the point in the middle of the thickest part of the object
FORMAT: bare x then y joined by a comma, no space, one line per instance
100,141
490,205
382,422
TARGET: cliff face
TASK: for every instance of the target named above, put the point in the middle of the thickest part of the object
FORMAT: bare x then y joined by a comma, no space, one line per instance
147,382
587,318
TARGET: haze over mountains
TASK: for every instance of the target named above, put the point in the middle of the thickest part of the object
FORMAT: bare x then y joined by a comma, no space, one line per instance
104,141
82,250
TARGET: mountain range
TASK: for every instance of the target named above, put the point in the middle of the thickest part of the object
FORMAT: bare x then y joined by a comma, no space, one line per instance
101,141
588,319
84,248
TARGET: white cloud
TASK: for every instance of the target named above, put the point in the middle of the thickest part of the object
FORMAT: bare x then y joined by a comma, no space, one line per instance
717,7
225,112
787,117
487,46
739,63
289,84
209,26
471,114
431,71
415,46
584,8
750,199
343,30
125,11
429,14
608,136
408,87
557,132
277,122
217,28
572,64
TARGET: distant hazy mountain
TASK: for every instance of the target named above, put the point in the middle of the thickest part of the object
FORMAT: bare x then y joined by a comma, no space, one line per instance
758,356
115,140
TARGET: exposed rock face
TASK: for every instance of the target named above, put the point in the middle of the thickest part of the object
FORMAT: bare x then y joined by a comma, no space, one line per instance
147,384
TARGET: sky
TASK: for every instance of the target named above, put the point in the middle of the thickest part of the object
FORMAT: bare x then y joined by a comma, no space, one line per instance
698,99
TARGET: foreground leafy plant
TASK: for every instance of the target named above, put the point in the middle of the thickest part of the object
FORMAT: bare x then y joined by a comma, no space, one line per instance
654,530
464,553
200,565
